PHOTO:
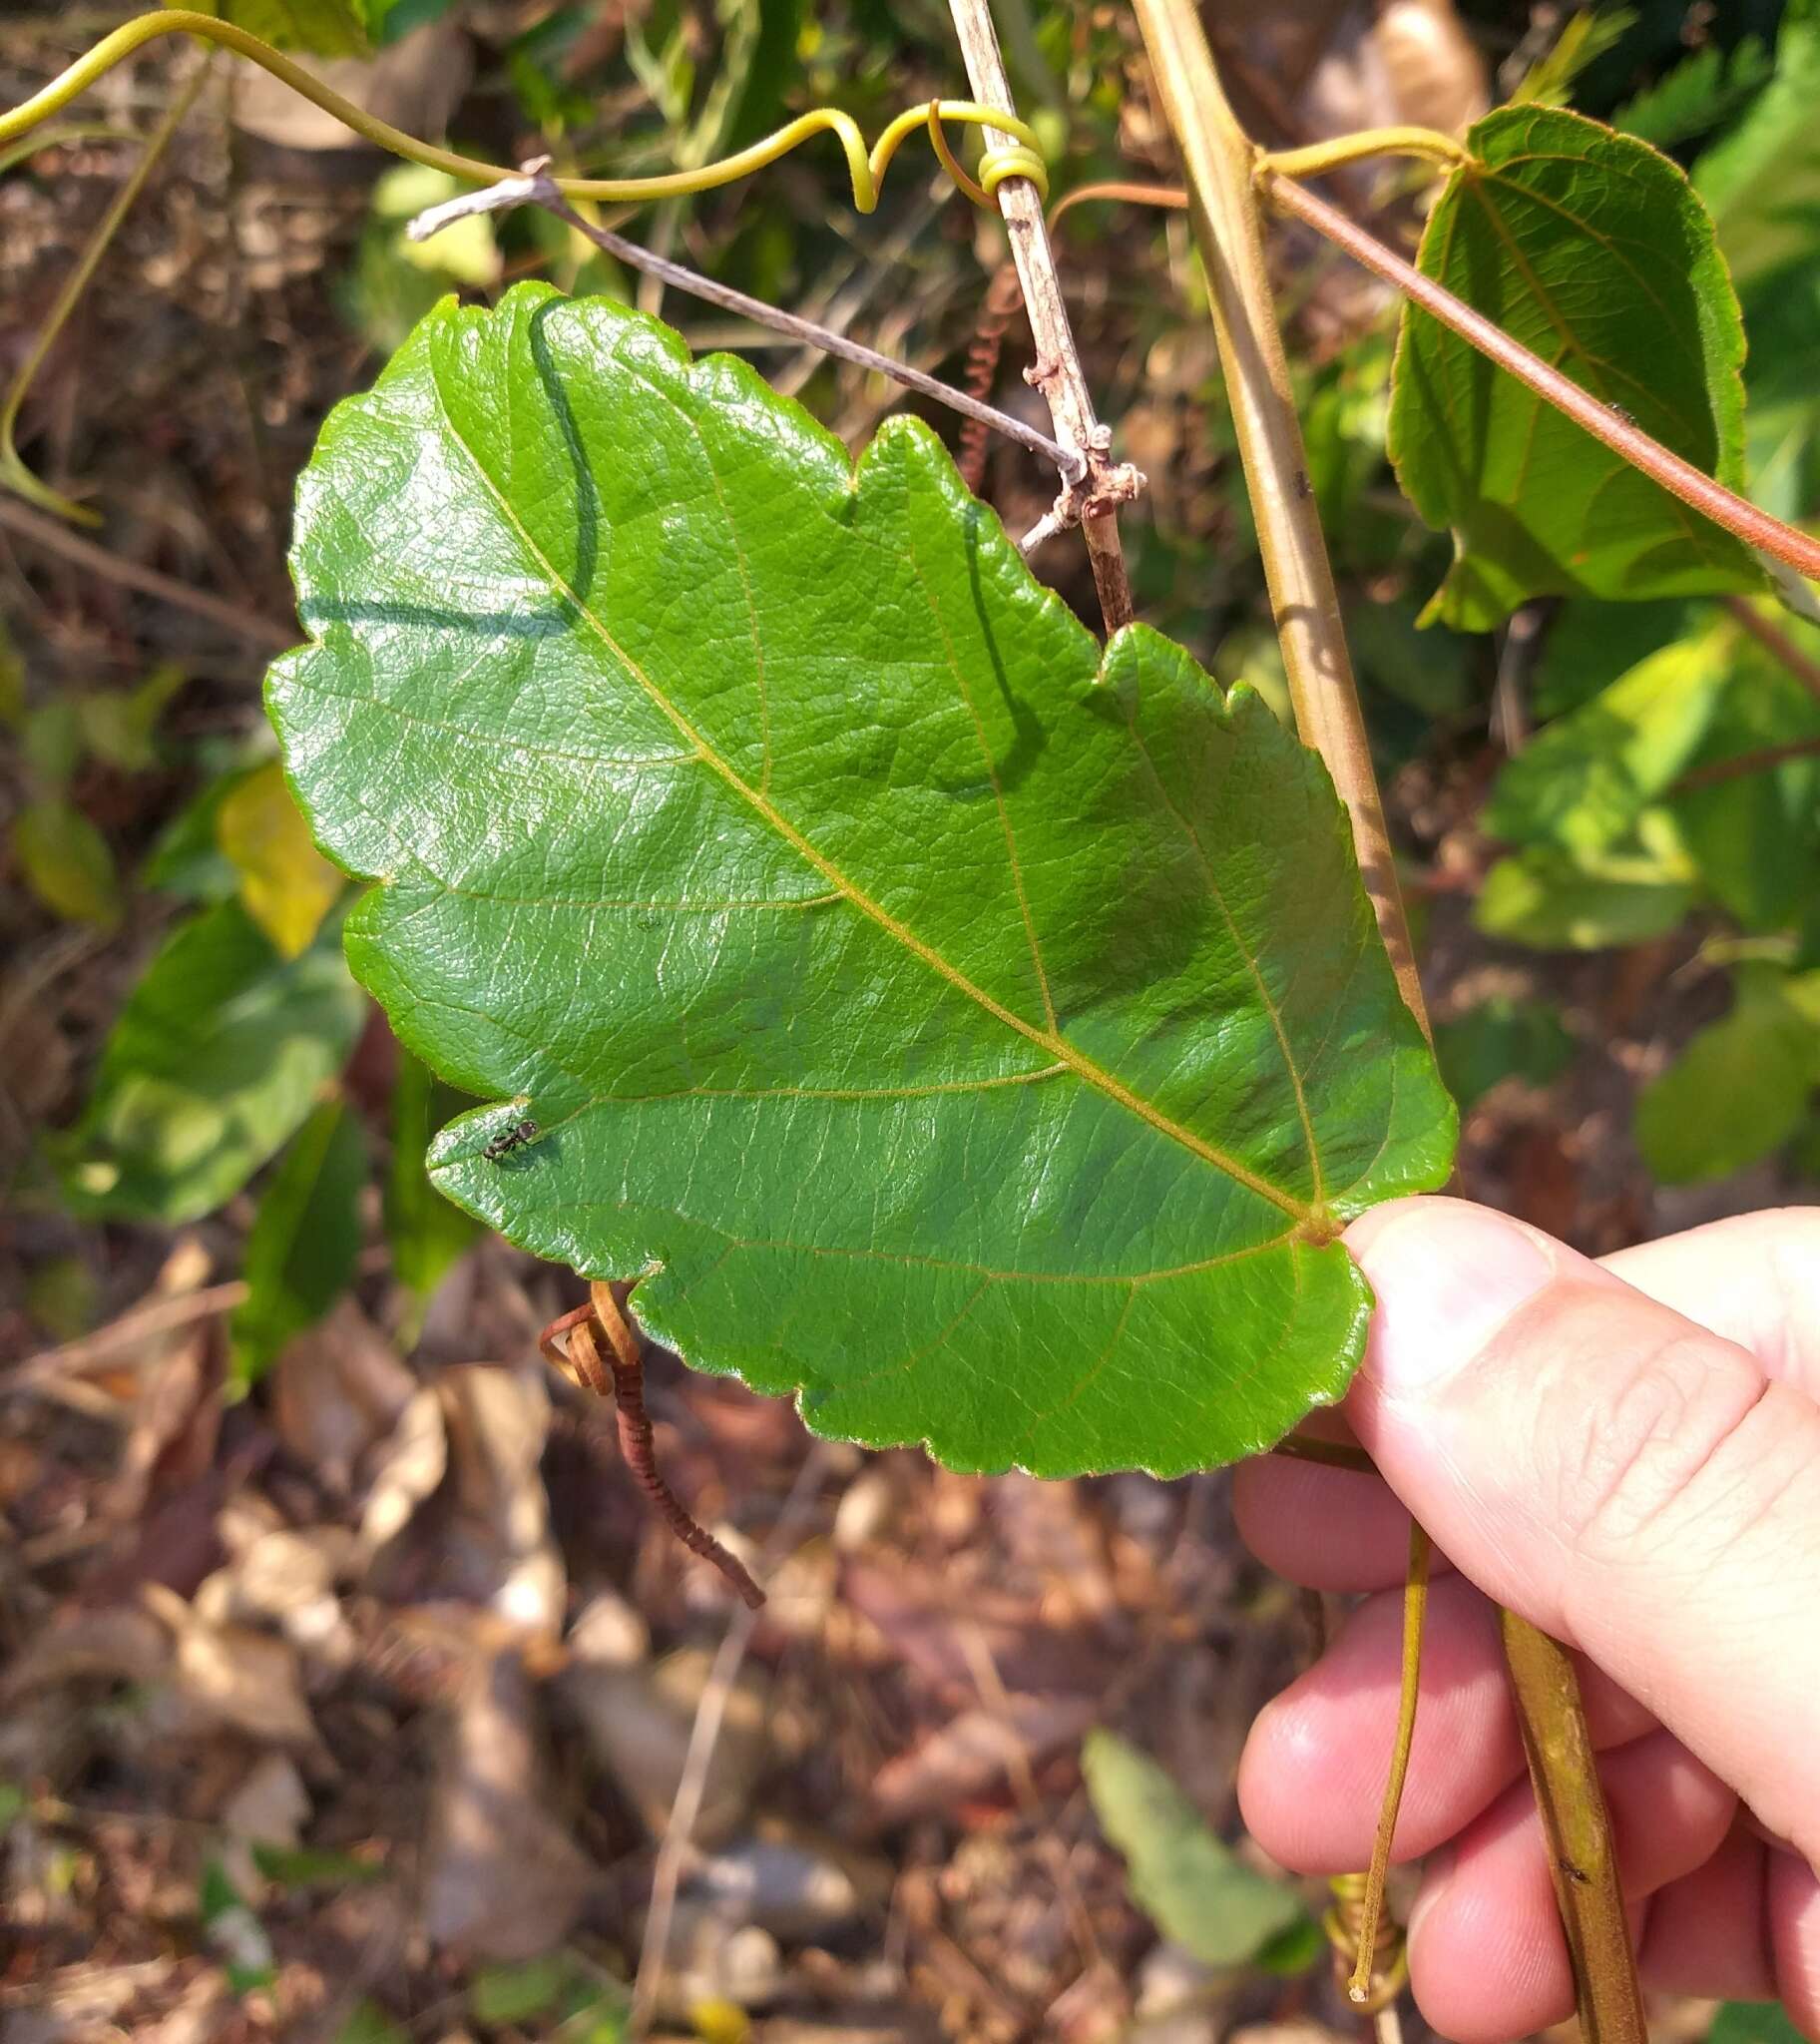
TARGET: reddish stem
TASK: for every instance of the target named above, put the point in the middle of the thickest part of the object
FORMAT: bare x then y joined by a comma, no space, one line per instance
1724,507
621,1370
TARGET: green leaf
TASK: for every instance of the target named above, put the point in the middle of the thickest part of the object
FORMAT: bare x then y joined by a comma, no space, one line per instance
1546,899
119,725
1502,1039
67,864
1695,94
1593,251
514,1993
1761,184
427,1232
395,281
308,1867
1182,1876
982,1041
1755,838
305,1239
1583,782
237,1934
1752,2022
187,858
389,20
370,2024
218,1057
1589,645
324,28
1741,1088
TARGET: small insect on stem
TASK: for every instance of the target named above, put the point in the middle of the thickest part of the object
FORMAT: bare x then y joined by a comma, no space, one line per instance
510,1139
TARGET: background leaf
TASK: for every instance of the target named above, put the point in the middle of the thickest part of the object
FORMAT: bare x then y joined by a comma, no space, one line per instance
1752,2022
324,28
215,1060
1741,1088
982,1041
1591,249
305,1239
427,1232
1584,781
1501,1039
1546,897
67,864
1182,1876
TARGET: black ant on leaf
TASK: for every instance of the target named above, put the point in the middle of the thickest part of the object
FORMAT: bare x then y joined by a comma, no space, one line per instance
513,1137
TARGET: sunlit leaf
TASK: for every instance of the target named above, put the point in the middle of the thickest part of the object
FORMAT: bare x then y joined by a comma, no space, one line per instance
1590,250
395,281
1583,782
1183,1875
1544,897
1755,836
1761,183
985,1042
1741,1088
286,883
305,1236
67,864
215,1060
324,28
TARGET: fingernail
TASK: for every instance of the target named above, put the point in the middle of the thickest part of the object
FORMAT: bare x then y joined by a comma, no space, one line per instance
1448,1276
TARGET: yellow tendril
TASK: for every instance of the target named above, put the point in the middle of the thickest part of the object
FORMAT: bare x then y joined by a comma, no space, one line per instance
1429,144
865,169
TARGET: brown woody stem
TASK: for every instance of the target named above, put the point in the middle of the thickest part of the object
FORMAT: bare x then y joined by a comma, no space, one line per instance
1220,161
1057,373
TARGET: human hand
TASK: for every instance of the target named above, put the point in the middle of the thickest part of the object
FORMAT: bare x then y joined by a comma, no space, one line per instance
1628,1455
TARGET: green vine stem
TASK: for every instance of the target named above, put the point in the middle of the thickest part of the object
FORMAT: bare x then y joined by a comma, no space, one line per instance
1220,161
14,473
1015,144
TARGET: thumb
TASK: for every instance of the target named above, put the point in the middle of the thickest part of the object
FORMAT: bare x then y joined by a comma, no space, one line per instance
1619,1476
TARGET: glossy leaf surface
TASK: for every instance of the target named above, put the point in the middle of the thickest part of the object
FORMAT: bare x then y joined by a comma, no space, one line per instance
1591,249
982,1041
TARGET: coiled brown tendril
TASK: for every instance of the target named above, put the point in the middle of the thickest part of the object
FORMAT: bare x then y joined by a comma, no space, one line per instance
605,1356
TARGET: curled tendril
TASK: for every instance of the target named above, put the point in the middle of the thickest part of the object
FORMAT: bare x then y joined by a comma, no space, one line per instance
866,168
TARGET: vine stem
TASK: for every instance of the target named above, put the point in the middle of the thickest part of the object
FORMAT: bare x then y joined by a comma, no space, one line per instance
534,185
1695,488
1057,371
866,168
1220,161
13,471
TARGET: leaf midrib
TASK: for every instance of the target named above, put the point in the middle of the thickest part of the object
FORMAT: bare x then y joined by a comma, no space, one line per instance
1050,1040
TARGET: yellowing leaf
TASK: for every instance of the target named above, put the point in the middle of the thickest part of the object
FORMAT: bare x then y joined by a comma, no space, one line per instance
286,885
67,864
